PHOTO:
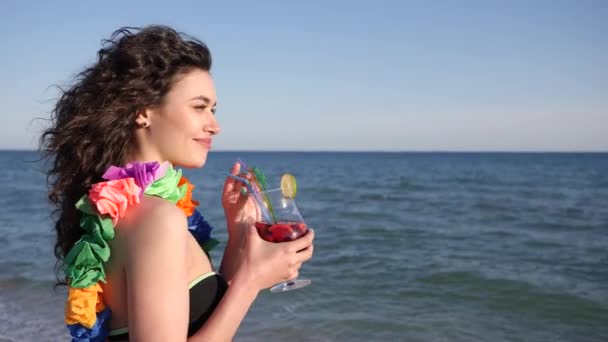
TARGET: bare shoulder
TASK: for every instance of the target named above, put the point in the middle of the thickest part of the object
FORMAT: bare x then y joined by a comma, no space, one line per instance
154,220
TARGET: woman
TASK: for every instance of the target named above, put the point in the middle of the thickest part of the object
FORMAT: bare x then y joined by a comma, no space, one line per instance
134,270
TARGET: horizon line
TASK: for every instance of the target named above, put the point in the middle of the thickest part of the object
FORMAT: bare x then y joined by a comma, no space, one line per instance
367,151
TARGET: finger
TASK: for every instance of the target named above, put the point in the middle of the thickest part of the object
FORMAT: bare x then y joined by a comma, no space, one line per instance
294,274
302,242
252,233
243,195
305,254
248,177
236,168
245,190
230,182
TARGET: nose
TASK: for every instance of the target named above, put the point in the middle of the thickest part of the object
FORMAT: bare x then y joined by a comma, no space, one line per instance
212,127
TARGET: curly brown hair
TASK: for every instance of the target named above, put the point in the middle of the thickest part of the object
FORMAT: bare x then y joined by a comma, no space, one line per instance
93,122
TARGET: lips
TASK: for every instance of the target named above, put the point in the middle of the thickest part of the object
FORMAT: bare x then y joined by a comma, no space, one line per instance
204,141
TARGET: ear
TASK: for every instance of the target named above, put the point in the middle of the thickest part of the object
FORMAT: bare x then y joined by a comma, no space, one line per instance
143,117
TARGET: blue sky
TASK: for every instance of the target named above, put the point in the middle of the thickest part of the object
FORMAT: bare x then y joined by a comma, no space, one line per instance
346,75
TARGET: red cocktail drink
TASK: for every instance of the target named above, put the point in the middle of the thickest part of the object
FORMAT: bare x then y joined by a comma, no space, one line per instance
282,231
279,220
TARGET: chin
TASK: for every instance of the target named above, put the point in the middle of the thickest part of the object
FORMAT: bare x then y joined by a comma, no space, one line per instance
191,163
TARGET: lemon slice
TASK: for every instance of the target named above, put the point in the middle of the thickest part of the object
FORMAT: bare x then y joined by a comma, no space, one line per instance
289,186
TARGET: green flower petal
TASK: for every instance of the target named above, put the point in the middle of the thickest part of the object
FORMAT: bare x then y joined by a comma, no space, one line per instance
85,260
94,223
210,244
84,205
85,277
98,245
166,187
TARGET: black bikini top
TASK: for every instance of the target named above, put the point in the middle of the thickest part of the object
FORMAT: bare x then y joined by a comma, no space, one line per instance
206,291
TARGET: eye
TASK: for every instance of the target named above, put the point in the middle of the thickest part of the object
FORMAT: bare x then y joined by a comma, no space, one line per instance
204,106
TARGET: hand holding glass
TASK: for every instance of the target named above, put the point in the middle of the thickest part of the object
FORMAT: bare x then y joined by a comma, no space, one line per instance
282,223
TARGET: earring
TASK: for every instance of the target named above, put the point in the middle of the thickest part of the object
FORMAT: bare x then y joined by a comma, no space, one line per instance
144,124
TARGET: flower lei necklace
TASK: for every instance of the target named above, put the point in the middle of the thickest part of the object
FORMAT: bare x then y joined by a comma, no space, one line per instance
86,315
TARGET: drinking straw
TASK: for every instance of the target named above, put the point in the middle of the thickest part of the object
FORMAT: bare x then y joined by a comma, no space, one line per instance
260,179
256,196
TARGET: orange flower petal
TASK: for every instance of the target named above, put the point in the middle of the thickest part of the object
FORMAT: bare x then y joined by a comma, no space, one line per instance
186,203
83,304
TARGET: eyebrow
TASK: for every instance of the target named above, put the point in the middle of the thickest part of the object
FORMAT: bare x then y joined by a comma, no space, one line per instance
204,98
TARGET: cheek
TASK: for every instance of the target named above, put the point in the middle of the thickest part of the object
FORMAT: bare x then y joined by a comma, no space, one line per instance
166,136
178,125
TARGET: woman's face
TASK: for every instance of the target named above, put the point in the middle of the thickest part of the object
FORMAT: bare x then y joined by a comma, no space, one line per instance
181,129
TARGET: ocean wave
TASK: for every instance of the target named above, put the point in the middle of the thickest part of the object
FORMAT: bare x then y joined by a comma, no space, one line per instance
382,197
519,297
324,190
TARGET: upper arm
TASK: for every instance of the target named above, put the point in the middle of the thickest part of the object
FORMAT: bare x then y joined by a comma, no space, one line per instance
156,274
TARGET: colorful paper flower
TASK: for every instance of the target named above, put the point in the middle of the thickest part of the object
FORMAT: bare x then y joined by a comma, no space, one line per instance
143,173
186,203
97,333
114,197
201,230
84,262
83,304
167,186
106,203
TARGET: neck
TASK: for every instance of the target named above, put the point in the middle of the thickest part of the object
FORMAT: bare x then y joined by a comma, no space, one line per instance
142,157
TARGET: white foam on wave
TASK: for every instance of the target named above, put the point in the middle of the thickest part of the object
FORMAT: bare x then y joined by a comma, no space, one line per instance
31,313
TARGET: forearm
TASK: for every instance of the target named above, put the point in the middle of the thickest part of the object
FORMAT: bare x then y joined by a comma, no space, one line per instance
230,259
227,316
